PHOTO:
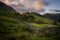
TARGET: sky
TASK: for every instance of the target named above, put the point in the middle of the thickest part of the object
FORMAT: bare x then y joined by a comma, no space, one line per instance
54,4
33,5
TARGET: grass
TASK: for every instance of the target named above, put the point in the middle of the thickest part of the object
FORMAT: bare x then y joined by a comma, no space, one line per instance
38,26
11,29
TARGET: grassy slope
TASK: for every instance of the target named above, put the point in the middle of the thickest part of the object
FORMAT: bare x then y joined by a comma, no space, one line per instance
38,21
11,29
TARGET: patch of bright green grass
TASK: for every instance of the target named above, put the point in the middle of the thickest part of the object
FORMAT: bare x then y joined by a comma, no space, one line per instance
38,26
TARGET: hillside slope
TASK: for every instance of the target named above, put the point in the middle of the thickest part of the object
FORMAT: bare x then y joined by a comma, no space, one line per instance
38,20
6,10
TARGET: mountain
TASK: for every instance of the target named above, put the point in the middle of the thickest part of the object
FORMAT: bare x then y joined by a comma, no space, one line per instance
52,11
5,9
55,17
27,26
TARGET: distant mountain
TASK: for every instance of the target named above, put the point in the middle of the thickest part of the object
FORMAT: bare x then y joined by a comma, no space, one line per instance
52,11
55,17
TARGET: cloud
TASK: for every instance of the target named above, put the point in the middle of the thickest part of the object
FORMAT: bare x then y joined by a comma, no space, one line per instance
38,4
27,5
10,2
13,3
21,1
7,1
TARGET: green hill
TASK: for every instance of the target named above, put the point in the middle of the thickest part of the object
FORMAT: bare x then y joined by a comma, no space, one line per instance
27,26
37,20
